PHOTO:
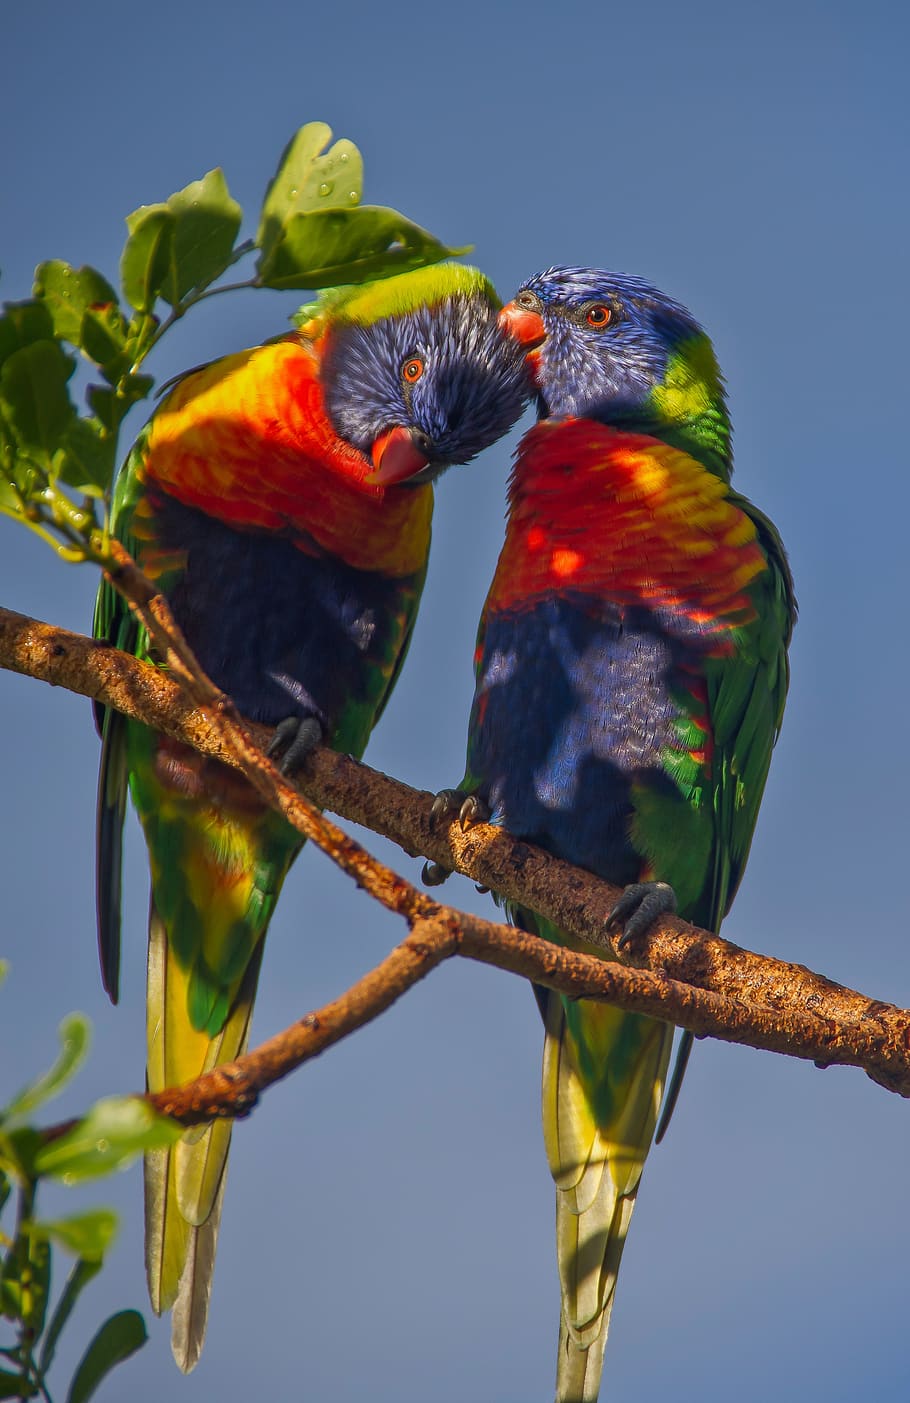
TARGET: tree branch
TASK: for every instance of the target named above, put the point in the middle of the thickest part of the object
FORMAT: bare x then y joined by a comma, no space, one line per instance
686,976
237,745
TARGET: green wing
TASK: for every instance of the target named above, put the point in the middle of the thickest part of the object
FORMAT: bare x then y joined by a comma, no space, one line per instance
114,623
410,606
746,698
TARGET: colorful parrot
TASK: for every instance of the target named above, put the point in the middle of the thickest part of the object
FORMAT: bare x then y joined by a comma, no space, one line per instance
631,676
281,498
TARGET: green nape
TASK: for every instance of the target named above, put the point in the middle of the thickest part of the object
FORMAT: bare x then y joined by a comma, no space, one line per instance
363,304
690,405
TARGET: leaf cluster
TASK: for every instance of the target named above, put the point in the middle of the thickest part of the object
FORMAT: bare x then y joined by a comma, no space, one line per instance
109,1137
57,462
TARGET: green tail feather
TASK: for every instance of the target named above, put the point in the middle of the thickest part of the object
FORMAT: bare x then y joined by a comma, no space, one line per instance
603,1077
111,808
184,1186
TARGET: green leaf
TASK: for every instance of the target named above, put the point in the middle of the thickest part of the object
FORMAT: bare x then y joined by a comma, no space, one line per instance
18,1149
180,246
34,398
10,1298
111,407
9,497
146,254
75,1034
113,1133
106,406
25,1277
81,1274
88,1235
327,247
21,324
306,180
14,1386
118,1338
36,1287
87,457
6,1189
207,223
68,293
10,1288
103,337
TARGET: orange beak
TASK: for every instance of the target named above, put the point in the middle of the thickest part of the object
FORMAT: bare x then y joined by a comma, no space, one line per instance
522,325
396,457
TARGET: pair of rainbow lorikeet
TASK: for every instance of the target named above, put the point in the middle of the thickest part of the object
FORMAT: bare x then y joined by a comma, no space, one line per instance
631,676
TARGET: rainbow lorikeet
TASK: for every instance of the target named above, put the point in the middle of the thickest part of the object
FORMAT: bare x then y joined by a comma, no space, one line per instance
631,676
281,499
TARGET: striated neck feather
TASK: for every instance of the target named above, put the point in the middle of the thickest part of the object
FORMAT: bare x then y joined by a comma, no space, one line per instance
687,409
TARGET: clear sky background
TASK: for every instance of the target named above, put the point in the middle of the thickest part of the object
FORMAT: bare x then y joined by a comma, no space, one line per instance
387,1234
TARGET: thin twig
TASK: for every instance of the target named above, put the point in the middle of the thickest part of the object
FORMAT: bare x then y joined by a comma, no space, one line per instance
878,1043
240,749
690,977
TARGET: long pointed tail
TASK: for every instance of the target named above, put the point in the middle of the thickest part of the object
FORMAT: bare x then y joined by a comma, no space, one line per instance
603,1077
184,1186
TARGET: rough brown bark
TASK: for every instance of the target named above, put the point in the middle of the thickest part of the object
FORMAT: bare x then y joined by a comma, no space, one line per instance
689,977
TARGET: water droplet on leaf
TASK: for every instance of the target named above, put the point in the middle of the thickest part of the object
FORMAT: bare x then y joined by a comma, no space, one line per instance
326,188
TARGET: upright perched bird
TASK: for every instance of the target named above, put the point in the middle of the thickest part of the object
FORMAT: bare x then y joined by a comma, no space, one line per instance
281,499
631,676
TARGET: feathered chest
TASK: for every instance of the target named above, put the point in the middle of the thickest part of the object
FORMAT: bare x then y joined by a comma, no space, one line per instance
247,441
626,520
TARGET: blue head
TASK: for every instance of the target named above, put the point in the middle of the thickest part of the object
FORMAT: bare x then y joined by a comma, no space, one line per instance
611,347
418,373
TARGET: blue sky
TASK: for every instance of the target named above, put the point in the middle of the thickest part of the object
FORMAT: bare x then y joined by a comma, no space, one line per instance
388,1226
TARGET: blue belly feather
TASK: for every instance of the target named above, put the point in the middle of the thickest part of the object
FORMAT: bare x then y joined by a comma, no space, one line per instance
574,705
283,632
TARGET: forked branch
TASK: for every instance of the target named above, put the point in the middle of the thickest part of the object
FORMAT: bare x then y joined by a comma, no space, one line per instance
684,975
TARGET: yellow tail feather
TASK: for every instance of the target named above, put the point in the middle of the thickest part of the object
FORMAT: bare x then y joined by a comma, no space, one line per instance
184,1186
603,1077
578,1370
191,1308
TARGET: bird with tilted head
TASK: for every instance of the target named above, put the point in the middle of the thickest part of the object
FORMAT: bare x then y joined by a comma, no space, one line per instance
631,675
280,499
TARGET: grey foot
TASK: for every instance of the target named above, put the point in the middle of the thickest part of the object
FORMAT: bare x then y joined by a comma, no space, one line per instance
469,807
433,874
470,810
638,908
293,740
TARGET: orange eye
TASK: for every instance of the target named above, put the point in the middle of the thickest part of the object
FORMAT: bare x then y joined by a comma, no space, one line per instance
598,315
412,370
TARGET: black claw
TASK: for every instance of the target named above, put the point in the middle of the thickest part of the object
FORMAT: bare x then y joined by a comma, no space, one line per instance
472,811
433,874
283,734
446,800
469,810
638,908
293,740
